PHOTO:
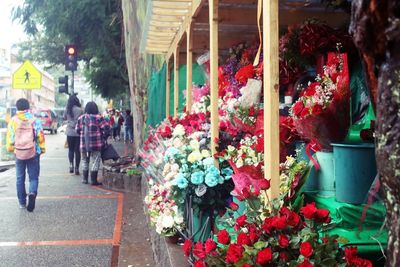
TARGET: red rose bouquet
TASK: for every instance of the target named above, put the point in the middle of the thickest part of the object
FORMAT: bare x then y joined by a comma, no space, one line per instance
321,114
286,238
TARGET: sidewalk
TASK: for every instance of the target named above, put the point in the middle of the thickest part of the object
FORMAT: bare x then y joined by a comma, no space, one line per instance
135,249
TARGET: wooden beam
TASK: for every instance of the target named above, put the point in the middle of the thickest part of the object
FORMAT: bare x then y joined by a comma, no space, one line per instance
213,15
176,81
189,67
196,5
169,12
271,95
167,94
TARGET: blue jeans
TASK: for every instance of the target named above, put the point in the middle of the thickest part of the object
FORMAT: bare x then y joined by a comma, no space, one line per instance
128,133
33,167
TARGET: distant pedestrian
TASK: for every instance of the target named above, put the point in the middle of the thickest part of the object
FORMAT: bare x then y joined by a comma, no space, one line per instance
25,137
128,126
72,112
93,130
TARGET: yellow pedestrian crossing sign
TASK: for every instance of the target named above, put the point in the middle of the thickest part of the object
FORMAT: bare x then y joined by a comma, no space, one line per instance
27,76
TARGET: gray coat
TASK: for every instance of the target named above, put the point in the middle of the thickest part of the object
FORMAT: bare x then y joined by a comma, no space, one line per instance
71,121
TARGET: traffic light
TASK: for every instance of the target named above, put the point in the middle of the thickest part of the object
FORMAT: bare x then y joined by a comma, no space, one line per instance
71,57
63,81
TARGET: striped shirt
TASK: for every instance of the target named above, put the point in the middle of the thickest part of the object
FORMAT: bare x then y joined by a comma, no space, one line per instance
93,131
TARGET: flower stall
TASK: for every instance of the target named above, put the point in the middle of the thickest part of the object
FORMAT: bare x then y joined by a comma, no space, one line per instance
249,173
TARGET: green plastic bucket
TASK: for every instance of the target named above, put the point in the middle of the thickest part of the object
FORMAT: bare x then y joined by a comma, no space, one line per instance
325,176
355,170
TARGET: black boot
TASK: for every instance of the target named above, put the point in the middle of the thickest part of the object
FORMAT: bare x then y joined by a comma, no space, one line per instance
93,178
71,168
77,170
85,176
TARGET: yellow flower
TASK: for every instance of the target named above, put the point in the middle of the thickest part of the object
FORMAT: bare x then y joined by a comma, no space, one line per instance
194,156
205,153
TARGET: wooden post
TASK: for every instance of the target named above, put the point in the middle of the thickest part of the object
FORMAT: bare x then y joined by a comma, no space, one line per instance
189,67
176,81
167,95
213,17
271,94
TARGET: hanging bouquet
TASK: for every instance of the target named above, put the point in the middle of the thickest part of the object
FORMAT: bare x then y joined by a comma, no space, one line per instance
286,238
163,212
292,177
321,114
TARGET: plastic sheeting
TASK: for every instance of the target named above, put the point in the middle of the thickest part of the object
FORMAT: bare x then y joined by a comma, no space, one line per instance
157,92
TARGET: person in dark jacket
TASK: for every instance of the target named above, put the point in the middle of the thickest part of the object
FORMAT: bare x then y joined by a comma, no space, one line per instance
128,127
72,112
93,130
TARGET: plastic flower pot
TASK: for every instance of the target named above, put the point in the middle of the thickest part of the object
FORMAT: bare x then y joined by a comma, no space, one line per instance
325,176
355,170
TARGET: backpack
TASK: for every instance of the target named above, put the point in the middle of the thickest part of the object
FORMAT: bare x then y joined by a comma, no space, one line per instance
24,139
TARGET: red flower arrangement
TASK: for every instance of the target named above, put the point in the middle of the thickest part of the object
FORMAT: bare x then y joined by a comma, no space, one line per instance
321,114
284,239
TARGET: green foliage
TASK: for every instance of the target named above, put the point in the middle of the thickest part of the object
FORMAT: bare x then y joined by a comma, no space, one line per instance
95,26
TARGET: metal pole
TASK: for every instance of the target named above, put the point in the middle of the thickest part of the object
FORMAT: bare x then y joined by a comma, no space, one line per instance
72,83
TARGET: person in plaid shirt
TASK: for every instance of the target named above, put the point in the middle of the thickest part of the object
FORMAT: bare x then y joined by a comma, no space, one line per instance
93,130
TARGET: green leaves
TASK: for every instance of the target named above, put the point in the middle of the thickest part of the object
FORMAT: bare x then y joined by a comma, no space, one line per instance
95,26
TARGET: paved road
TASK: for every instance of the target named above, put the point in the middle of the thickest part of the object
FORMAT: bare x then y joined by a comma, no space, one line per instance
72,225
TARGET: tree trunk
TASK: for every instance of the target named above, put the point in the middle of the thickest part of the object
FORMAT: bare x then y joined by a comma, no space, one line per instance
376,31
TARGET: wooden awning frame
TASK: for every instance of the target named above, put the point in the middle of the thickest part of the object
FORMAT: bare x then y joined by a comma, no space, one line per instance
172,21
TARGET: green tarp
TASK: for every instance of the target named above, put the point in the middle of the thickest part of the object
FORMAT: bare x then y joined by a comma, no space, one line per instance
157,92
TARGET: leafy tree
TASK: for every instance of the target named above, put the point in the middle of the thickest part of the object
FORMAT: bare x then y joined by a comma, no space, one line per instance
95,26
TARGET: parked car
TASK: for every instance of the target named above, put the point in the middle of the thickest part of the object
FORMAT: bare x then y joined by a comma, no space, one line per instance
48,118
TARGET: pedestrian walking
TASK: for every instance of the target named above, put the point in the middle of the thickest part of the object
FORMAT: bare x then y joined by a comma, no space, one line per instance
25,137
93,130
128,127
72,112
120,122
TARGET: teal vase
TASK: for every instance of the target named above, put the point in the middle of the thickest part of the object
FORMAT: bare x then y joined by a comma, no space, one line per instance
325,176
355,170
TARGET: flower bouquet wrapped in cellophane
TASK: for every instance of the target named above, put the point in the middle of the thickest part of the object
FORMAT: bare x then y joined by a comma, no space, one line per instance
321,115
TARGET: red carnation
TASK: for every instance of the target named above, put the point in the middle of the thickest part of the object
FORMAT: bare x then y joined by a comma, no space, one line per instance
283,240
233,206
241,220
260,145
234,253
350,253
210,246
279,222
309,210
298,108
243,74
223,237
306,249
264,256
267,225
311,89
322,215
199,263
243,239
305,263
187,247
316,109
198,250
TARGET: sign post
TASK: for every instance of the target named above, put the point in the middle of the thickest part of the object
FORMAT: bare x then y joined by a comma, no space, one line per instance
27,76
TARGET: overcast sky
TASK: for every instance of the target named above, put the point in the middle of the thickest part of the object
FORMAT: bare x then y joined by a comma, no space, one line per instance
10,32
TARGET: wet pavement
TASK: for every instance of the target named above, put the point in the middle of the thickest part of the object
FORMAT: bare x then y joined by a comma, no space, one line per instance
73,224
